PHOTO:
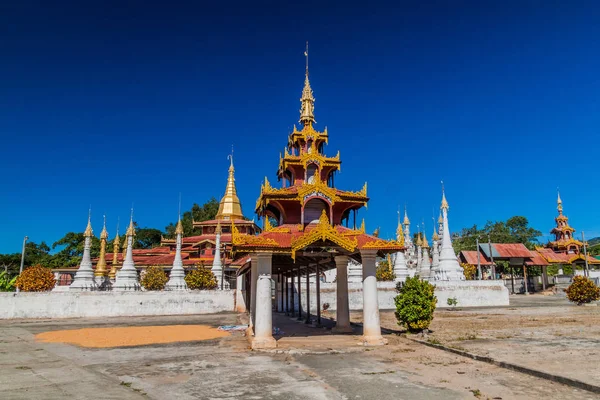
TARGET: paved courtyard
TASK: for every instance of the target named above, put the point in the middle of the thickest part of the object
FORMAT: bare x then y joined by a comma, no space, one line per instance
315,365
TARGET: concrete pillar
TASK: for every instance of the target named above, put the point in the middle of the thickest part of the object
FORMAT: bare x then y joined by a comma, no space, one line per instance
253,281
544,277
307,295
263,320
286,295
525,279
342,311
279,291
299,296
318,288
240,302
371,323
292,294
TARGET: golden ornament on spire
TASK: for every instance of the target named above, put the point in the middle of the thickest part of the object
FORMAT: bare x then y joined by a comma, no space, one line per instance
230,207
131,227
440,219
115,261
88,230
179,228
424,243
419,241
101,265
218,229
559,204
307,109
406,220
444,205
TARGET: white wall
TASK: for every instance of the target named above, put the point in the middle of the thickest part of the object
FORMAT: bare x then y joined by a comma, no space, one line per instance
467,293
113,304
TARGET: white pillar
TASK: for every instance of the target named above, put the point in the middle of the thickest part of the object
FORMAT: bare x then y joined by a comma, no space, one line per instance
263,321
342,312
371,323
240,301
253,281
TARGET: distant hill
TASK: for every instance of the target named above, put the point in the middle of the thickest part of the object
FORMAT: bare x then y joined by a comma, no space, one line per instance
594,241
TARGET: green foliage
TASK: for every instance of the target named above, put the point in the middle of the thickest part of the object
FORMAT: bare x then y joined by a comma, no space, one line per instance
147,238
552,269
514,230
6,284
154,278
384,271
582,290
36,279
452,301
201,279
415,304
469,270
206,212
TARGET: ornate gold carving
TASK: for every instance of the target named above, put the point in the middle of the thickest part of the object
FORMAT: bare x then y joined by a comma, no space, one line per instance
271,228
239,239
362,226
382,244
323,231
319,188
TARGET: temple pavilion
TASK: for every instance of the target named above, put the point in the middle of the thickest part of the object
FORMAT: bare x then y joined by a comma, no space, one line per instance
565,249
307,230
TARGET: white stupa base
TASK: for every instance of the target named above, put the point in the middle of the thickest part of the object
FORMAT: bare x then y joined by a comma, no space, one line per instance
103,282
471,293
127,280
176,281
84,281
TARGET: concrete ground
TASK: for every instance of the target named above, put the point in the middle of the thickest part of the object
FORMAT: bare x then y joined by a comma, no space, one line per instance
225,368
545,333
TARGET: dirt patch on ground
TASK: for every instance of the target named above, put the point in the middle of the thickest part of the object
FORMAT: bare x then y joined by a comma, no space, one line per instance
545,338
131,336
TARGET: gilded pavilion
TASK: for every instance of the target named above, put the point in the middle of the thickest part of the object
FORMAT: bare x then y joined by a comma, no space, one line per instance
565,249
307,230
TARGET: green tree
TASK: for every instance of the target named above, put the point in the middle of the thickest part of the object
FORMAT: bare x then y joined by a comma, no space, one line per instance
515,230
147,238
206,212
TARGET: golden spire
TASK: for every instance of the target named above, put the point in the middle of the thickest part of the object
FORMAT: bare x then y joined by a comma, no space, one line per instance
419,241
88,230
362,226
399,230
559,203
307,116
179,227
101,265
218,229
435,234
131,227
444,201
424,243
406,220
440,219
230,206
115,261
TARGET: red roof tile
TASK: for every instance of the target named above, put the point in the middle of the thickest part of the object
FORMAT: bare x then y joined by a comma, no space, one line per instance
470,257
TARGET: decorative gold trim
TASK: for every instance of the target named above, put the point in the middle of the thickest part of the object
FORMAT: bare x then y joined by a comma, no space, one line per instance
239,239
382,244
323,231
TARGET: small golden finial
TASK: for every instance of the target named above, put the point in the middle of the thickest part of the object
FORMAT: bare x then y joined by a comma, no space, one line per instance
88,229
559,202
424,243
362,226
218,229
444,201
435,235
104,233
131,227
307,100
406,220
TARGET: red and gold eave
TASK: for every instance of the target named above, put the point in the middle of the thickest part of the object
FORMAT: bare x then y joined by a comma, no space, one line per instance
288,239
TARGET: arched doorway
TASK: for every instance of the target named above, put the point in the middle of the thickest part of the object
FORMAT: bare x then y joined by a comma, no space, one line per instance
313,210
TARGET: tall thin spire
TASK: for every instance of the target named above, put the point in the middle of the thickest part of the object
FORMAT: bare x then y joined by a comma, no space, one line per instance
559,203
444,201
406,220
230,206
177,276
449,268
127,278
115,261
307,101
84,278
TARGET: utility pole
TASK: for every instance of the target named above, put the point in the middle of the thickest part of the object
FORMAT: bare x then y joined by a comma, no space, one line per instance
492,257
587,270
22,258
478,259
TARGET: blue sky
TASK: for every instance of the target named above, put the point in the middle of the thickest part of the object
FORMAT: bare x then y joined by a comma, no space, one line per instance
114,103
